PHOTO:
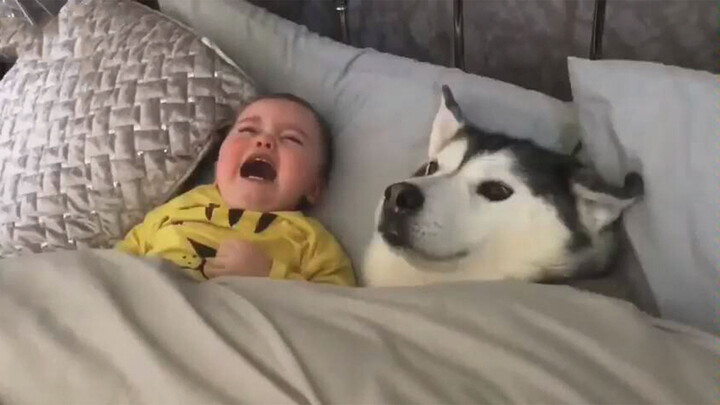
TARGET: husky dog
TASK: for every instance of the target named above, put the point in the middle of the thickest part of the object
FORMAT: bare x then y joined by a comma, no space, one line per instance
489,207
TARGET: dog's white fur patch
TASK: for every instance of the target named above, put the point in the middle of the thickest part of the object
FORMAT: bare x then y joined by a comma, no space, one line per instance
509,239
444,127
598,210
451,156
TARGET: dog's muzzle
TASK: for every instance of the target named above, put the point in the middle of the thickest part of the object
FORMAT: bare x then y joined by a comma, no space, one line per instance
402,200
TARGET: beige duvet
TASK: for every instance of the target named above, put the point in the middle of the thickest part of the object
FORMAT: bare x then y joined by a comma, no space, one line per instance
99,327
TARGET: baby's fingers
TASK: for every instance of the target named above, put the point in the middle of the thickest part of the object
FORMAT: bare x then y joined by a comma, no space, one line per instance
213,267
215,262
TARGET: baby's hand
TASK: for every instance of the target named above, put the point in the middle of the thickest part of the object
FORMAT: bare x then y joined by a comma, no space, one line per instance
238,258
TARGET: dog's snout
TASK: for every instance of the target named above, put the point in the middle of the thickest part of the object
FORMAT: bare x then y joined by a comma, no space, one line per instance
404,197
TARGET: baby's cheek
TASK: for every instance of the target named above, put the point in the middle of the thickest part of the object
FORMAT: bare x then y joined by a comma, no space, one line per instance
229,159
301,177
305,161
295,168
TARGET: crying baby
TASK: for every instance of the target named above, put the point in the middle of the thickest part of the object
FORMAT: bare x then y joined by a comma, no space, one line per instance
273,165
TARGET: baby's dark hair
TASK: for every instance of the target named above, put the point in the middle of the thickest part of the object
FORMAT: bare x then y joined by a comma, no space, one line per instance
325,133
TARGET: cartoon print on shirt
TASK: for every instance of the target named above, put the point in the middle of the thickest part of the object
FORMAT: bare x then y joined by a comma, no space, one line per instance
198,248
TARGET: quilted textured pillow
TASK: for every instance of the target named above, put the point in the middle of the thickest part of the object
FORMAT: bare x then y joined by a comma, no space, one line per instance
15,33
103,118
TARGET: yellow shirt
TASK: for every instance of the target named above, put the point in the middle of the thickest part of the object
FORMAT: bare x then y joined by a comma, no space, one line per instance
189,229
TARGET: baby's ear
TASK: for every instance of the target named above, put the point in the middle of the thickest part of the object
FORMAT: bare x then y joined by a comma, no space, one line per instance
316,193
448,121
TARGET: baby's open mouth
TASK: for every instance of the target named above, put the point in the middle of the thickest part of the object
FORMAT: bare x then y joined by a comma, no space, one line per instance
259,169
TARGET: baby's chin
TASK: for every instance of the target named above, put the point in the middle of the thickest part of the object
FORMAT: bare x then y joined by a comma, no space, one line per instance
254,195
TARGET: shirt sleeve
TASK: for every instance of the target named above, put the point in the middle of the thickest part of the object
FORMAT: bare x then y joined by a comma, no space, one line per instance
324,262
327,263
137,241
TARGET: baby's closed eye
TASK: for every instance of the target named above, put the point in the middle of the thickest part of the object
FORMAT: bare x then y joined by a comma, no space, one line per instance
248,131
292,137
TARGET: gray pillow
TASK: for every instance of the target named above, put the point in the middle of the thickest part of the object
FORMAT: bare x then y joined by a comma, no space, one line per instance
15,33
663,122
102,117
380,106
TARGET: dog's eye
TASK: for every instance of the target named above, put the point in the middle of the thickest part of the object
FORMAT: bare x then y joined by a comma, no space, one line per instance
495,190
427,169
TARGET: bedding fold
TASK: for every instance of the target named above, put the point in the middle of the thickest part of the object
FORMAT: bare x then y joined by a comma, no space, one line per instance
97,326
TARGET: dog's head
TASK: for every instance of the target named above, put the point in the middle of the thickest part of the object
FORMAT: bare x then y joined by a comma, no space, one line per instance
485,199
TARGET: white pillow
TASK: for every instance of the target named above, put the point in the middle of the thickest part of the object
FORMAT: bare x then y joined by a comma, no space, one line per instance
380,106
664,122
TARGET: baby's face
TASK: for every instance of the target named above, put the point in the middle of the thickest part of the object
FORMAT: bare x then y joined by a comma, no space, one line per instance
271,158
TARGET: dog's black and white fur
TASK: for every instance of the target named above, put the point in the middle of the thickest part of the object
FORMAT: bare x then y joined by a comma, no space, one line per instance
488,207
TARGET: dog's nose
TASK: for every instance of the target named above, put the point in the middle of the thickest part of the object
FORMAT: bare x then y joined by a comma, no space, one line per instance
404,197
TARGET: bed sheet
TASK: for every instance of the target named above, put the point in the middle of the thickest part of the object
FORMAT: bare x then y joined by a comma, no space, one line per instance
98,326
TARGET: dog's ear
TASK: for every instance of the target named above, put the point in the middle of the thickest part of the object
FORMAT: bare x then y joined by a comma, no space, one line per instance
599,204
448,121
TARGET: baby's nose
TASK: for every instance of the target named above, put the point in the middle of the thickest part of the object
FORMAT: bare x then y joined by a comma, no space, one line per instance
265,142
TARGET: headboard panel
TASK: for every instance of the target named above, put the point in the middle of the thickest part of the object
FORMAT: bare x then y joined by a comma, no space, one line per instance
517,41
595,48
